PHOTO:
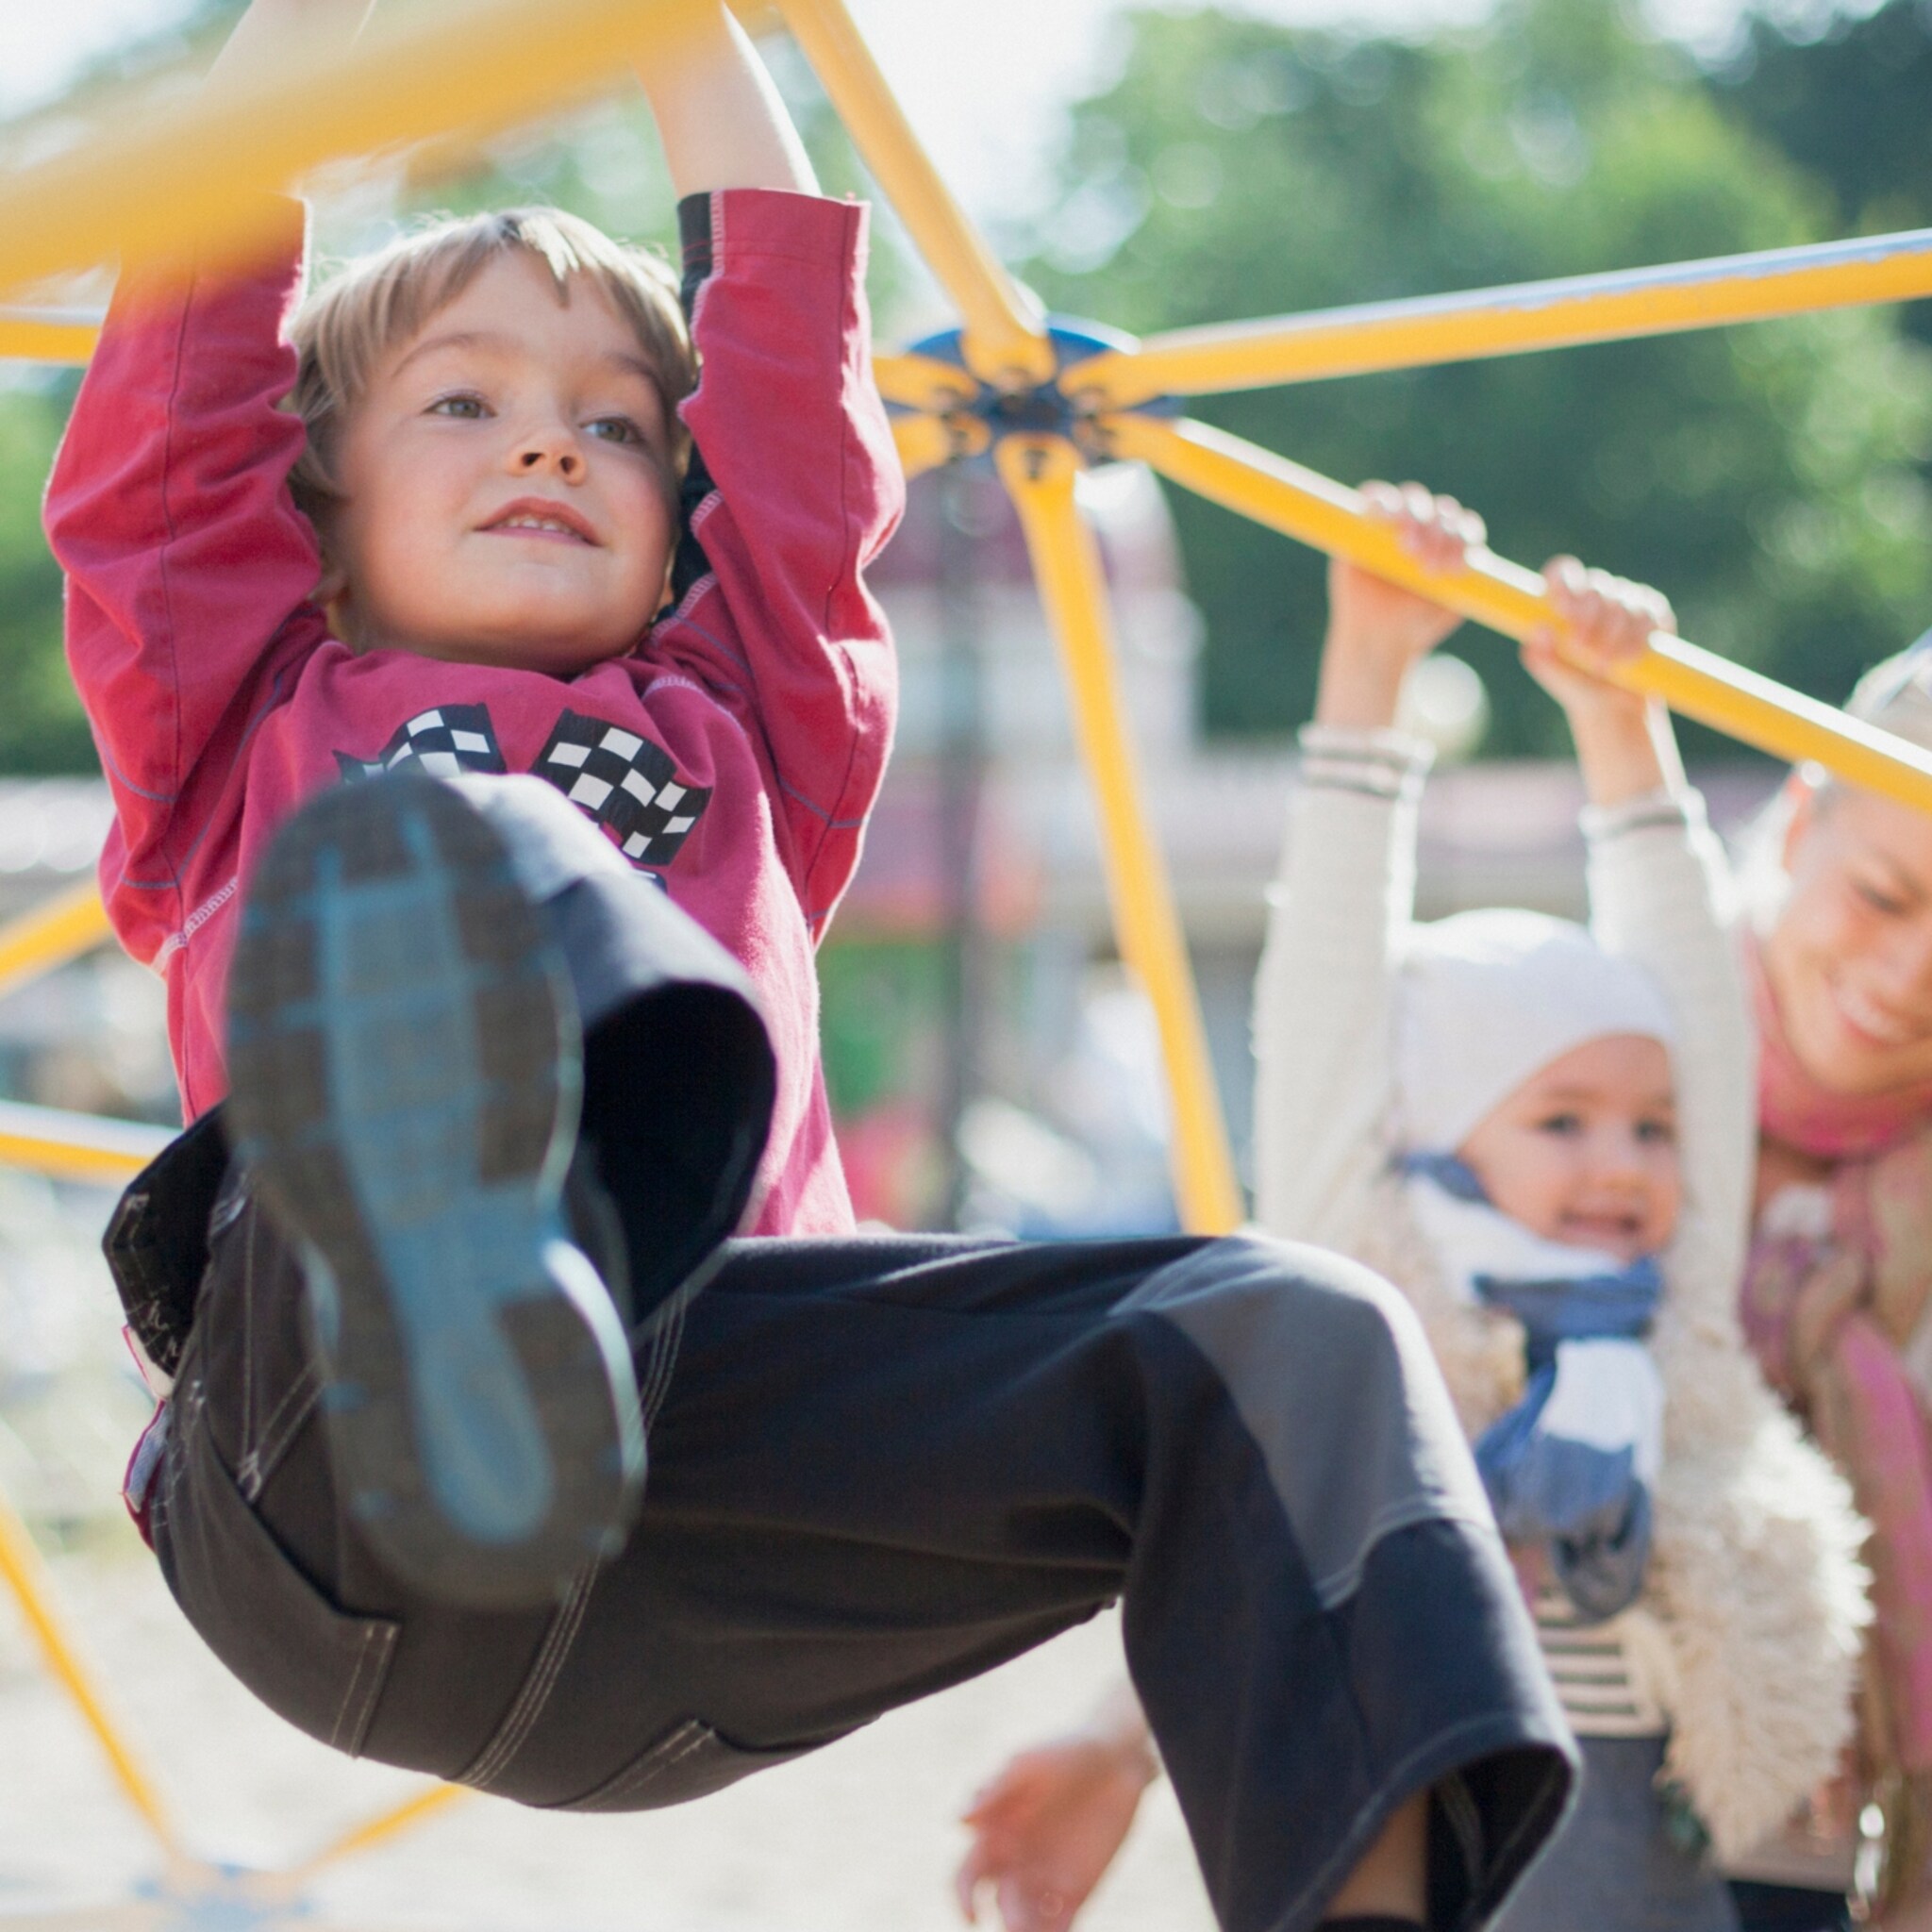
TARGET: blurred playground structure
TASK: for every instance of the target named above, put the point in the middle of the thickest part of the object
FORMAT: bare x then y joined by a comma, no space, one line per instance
1046,404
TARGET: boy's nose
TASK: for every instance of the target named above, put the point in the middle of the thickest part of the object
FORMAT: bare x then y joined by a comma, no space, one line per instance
558,455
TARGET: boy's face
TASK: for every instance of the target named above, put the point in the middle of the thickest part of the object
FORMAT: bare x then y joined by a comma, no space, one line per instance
1585,1152
509,482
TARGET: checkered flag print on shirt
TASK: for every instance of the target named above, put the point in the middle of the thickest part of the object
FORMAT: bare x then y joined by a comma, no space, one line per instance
625,782
444,741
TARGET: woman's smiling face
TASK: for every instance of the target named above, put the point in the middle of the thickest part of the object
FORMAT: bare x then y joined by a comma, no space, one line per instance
1849,957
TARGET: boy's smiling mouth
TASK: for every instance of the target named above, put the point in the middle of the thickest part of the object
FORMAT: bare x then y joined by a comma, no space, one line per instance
536,517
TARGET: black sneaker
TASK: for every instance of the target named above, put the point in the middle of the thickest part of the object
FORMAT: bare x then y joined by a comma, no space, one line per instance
406,1066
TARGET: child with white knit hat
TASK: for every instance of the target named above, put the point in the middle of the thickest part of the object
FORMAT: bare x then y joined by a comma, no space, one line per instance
1543,1133
1535,1114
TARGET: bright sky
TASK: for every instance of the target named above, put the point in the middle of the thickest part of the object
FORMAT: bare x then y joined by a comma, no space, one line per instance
984,99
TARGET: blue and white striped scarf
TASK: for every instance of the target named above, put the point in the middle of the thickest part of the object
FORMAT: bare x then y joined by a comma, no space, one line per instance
1573,1465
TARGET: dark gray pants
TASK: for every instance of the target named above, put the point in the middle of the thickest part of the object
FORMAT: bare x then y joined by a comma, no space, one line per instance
881,1465
878,1467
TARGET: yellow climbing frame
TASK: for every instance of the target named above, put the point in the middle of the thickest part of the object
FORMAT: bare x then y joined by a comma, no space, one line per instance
181,178
176,177
80,1147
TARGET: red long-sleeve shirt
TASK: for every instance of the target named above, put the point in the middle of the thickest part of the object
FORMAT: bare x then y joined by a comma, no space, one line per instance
734,753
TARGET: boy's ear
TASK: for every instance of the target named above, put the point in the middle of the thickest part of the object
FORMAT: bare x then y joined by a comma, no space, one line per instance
334,581
331,594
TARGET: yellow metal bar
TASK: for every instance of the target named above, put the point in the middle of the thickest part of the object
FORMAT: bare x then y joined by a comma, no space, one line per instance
406,1817
51,934
1005,340
27,1576
920,382
172,176
1040,473
1509,599
75,1146
924,444
1506,321
48,335
927,442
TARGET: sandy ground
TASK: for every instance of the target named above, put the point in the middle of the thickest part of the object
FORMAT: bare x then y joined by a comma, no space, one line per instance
863,1835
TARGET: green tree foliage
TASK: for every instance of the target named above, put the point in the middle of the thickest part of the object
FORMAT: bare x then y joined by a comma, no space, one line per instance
41,729
1847,101
1766,477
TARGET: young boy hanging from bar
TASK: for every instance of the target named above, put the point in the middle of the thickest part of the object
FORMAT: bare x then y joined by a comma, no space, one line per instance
482,663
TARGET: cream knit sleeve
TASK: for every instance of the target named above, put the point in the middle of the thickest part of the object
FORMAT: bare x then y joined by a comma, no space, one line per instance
1661,894
1325,998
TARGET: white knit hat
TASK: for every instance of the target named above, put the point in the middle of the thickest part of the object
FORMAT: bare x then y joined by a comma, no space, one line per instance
1487,999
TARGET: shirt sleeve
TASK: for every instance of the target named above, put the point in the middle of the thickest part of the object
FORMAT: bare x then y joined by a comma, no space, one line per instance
794,488
1661,894
188,565
1325,1001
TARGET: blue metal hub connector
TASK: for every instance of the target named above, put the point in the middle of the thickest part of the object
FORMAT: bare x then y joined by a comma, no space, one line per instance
1052,408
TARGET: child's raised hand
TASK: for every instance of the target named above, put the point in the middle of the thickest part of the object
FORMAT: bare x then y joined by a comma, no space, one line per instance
1367,612
1602,622
1623,738
1376,629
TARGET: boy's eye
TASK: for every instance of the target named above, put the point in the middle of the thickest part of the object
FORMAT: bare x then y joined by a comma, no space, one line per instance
1657,1133
619,429
1561,1124
467,409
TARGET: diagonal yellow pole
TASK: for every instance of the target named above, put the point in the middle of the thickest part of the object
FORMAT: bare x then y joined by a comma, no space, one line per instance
1509,599
48,335
1005,340
365,1837
51,934
81,1147
172,176
76,1146
1040,473
45,937
924,444
25,1575
920,382
1507,322
45,1140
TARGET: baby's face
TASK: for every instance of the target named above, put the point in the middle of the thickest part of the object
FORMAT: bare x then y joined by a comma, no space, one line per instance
1585,1152
510,483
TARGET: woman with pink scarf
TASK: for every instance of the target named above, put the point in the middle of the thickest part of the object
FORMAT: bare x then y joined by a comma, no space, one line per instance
1836,1295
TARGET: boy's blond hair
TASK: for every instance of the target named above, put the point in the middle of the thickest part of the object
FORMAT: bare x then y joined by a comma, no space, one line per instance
343,330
